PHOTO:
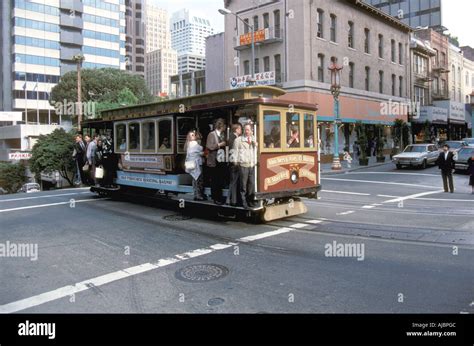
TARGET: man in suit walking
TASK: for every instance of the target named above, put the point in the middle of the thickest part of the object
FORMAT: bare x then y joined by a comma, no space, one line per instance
446,163
216,141
234,185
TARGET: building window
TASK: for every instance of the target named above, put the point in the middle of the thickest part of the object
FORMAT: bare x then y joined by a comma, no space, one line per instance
400,86
255,23
276,21
367,41
278,77
333,28
321,68
257,65
350,35
266,21
420,96
381,46
266,64
367,78
246,26
320,23
393,50
381,81
400,54
394,84
443,58
351,75
246,67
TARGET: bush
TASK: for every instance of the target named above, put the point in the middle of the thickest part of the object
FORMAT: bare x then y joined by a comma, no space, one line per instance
12,176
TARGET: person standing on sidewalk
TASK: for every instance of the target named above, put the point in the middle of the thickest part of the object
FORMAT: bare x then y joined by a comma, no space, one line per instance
446,163
470,171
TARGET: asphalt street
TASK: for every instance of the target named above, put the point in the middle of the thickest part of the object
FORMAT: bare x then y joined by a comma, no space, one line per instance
415,252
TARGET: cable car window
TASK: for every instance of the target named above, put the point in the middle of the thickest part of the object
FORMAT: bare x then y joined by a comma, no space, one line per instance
148,136
134,136
120,137
184,126
164,135
309,131
293,135
271,129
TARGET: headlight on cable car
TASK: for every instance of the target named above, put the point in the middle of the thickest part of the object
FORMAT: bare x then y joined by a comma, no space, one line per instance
294,177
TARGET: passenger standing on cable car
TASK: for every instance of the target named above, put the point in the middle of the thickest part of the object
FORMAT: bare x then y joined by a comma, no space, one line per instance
234,185
245,147
215,142
193,164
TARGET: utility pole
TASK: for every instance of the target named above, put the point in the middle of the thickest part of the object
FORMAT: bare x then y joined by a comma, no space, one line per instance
79,58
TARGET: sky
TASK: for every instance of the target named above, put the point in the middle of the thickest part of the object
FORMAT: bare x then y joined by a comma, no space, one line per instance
457,15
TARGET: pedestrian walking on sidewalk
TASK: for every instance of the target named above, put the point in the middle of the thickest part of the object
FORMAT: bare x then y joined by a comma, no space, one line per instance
446,163
470,170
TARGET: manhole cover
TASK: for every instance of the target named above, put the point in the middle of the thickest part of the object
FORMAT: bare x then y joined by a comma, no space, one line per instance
177,217
202,272
215,301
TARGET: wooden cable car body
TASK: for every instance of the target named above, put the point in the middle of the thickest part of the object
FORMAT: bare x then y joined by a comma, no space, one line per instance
149,140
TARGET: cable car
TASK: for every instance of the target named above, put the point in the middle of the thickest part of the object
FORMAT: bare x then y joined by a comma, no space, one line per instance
149,149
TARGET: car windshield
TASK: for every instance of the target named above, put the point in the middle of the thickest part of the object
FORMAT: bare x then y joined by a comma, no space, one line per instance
415,149
469,140
454,145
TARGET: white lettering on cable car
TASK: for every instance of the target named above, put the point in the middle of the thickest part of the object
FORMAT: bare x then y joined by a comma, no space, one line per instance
147,180
275,165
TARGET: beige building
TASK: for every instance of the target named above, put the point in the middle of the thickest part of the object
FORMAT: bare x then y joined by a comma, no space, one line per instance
161,65
298,39
158,33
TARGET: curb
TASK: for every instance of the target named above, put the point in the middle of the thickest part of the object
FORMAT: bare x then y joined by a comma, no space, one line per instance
355,169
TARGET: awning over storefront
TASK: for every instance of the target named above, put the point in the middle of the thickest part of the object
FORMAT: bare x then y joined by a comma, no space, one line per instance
456,111
434,115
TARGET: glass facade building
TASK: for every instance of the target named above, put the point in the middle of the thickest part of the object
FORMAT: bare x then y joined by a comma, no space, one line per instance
423,13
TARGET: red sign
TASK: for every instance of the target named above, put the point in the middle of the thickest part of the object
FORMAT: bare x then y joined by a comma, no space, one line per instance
259,36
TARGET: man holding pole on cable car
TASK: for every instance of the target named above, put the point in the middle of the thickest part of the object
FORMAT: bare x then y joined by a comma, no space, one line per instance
244,147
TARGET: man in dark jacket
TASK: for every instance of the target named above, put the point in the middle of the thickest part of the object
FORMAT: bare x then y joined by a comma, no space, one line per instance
80,156
215,142
446,163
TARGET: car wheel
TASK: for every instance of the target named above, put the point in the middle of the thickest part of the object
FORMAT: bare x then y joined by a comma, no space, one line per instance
399,166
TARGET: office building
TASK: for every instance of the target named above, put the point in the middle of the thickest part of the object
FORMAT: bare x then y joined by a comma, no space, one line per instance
135,36
161,65
157,23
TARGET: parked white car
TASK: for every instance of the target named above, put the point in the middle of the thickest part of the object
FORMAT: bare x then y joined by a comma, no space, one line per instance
419,155
30,187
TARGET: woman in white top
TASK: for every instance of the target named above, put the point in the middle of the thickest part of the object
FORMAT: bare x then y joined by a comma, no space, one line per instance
193,164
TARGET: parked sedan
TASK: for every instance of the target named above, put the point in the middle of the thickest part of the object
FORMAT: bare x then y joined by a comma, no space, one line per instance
30,187
469,141
463,155
420,155
454,146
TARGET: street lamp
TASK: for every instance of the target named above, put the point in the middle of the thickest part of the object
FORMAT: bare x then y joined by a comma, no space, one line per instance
79,58
225,11
335,91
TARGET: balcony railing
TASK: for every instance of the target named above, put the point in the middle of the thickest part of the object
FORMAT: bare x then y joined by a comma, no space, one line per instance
440,94
263,36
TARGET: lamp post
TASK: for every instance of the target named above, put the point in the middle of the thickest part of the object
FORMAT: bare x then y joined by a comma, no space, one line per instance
79,58
335,91
225,11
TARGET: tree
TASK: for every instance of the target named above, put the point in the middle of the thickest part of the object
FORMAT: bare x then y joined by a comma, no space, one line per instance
107,87
52,153
12,176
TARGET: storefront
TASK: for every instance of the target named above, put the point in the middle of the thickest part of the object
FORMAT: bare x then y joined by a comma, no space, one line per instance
457,126
431,125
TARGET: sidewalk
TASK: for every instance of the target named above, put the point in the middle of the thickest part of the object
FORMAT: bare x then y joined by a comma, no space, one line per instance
326,167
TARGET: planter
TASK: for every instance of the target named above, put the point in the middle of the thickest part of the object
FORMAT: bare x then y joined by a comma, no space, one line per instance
363,162
380,158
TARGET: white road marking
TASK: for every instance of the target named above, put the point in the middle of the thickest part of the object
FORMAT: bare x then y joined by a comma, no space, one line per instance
46,196
299,225
388,196
381,182
315,222
347,193
346,212
49,205
125,273
421,174
401,199
368,207
377,204
431,199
